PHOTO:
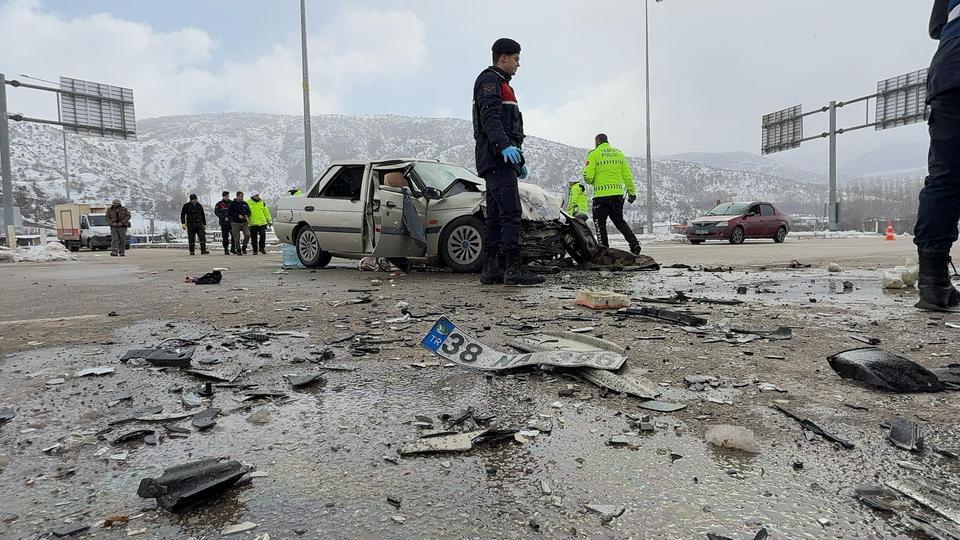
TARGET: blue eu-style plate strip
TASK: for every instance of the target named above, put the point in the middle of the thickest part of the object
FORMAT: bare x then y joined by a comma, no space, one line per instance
438,334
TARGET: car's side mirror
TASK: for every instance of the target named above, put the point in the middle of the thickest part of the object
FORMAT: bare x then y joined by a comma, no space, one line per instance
83,225
432,193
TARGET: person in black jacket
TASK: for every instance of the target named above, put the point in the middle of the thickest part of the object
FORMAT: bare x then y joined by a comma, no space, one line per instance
498,131
239,215
194,220
225,229
939,208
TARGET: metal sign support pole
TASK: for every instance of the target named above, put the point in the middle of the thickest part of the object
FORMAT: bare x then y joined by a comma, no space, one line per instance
646,21
66,159
8,218
832,209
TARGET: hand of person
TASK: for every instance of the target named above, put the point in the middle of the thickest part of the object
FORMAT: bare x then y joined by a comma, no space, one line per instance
511,154
183,226
523,172
632,199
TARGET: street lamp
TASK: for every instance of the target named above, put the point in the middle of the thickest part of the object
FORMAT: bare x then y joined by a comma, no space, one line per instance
646,24
307,139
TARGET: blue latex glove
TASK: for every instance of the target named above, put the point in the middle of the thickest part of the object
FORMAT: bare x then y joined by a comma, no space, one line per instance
511,154
523,172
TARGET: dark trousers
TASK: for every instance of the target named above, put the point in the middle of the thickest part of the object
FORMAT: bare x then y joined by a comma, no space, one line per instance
196,231
939,208
258,238
225,236
611,207
503,211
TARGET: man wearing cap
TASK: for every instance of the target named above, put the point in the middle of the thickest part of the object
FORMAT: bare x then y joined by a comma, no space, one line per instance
221,208
194,220
118,218
259,221
498,131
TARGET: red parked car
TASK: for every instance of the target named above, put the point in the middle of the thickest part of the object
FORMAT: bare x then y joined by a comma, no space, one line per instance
737,221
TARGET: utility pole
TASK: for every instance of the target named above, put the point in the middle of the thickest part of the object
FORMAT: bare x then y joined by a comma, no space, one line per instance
832,209
646,22
8,220
307,139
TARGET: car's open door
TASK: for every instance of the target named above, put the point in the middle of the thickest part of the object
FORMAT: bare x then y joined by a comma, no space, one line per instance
394,236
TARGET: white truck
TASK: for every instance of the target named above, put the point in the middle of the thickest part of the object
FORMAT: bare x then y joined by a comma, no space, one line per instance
83,225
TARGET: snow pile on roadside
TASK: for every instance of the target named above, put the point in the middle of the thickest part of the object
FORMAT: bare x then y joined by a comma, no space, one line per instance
51,252
6,255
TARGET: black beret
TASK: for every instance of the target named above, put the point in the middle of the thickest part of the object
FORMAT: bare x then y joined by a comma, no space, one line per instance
505,46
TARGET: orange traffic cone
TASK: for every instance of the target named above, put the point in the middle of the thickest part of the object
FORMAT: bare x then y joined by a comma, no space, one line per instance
889,232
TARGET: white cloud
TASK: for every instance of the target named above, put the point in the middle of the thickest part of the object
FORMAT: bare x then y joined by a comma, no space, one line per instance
614,107
176,72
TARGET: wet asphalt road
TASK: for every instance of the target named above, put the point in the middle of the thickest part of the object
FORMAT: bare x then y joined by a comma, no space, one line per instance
323,451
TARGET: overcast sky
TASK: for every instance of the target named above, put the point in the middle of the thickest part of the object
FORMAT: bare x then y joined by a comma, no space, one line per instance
716,65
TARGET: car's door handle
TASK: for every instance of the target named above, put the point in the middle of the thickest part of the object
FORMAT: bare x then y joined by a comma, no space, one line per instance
391,204
308,209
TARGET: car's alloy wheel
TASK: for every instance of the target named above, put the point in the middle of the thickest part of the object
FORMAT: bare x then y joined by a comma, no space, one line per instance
464,244
736,237
781,235
309,251
461,244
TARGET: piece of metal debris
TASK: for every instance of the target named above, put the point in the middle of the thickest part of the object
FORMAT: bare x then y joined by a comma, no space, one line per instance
70,529
942,504
6,414
675,317
814,428
190,483
96,371
163,357
866,339
781,333
882,369
299,381
460,442
632,385
239,528
904,434
206,419
606,510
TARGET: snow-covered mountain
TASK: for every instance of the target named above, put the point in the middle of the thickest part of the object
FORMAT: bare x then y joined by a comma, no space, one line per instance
206,154
746,161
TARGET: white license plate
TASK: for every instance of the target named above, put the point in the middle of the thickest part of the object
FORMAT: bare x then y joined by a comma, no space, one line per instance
448,341
701,231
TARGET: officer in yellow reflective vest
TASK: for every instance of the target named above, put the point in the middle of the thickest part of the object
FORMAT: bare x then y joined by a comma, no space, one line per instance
609,173
577,200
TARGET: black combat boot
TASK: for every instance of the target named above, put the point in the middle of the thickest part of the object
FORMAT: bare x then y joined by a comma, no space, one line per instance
516,274
492,273
936,289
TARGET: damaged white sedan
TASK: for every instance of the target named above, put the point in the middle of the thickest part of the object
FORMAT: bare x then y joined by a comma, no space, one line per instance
416,209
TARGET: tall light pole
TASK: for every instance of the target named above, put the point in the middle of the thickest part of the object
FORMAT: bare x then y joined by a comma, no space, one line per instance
646,23
307,139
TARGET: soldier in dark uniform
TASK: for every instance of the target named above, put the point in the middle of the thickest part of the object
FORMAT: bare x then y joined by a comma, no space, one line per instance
939,209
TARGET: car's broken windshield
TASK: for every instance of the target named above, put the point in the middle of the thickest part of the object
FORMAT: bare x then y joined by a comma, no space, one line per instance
728,209
441,175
